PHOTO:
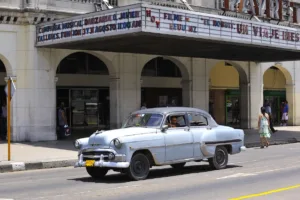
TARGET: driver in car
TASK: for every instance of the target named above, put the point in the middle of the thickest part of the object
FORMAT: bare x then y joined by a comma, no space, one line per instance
174,122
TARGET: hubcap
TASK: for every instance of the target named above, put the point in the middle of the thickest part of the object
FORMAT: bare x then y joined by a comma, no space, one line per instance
139,167
220,157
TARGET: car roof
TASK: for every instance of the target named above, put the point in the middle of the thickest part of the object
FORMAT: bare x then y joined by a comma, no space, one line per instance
166,110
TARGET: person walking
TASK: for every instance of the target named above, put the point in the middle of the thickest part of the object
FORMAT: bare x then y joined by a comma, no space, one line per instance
267,106
285,112
264,128
62,121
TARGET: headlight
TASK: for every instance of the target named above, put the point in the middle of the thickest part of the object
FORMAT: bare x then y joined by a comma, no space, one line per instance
117,143
77,144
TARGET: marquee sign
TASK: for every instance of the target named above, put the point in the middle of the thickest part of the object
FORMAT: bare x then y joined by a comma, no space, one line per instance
168,21
84,27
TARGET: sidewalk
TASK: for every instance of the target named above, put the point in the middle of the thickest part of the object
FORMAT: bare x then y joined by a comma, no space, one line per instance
41,155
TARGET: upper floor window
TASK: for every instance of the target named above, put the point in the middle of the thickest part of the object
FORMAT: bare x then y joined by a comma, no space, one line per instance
113,2
82,63
161,67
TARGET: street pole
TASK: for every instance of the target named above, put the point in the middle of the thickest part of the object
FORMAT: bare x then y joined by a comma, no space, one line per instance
8,115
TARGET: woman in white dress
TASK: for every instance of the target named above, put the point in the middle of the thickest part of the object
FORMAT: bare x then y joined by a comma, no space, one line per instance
264,127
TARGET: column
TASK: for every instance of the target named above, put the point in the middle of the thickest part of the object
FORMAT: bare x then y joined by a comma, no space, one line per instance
256,89
186,92
244,105
297,92
125,89
34,106
199,84
290,97
114,98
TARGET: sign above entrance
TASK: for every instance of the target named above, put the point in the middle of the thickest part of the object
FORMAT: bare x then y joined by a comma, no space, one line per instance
89,25
168,21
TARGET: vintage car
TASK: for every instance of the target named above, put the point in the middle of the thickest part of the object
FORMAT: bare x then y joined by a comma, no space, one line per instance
156,137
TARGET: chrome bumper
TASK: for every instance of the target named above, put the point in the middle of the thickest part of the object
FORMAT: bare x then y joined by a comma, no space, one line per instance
103,163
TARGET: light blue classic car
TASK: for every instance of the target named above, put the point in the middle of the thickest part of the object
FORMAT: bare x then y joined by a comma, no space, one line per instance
159,136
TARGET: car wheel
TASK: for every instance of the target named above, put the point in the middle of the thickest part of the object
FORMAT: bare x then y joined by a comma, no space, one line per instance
178,165
220,160
96,172
139,167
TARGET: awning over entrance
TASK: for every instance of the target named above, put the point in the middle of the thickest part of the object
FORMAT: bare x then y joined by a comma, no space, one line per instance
149,29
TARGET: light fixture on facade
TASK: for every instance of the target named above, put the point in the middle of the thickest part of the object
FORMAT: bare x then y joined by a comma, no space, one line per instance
103,5
187,5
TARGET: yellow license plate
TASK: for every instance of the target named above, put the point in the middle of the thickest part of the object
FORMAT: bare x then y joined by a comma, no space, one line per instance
89,163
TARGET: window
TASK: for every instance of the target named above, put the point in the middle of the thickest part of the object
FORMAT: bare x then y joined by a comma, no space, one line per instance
161,67
113,2
196,119
174,121
82,63
144,120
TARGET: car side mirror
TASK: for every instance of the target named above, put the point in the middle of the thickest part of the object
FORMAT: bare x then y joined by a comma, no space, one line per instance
164,128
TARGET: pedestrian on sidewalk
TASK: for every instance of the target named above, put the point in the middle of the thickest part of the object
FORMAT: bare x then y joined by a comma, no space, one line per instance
267,106
264,127
62,121
285,116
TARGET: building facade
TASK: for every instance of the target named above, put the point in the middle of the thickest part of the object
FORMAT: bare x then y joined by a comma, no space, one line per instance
101,88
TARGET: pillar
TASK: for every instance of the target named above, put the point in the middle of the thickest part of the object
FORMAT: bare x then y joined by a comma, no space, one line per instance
34,104
114,98
290,97
199,84
125,89
186,92
297,93
256,89
244,105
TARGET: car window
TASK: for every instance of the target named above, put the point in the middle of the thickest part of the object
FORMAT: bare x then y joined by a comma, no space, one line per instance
144,120
174,121
197,119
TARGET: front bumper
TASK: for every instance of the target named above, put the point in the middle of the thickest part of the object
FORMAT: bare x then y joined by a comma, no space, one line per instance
118,162
243,148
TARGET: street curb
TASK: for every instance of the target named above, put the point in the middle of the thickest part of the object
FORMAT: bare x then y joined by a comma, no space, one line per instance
24,166
277,142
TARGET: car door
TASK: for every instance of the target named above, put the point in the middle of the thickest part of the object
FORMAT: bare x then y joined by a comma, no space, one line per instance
198,126
178,140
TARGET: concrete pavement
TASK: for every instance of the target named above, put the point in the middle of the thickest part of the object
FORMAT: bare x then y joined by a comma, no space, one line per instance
255,174
40,155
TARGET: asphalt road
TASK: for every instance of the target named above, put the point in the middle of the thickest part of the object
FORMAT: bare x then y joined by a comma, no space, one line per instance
258,174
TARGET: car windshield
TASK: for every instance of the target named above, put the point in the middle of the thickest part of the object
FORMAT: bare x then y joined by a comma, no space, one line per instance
144,120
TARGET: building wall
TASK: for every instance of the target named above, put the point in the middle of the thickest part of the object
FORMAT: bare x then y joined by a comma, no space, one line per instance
34,72
33,106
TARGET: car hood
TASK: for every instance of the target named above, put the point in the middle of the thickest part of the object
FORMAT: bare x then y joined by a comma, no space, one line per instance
104,138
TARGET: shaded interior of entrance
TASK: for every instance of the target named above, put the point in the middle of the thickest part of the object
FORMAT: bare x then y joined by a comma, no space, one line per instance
224,95
87,106
275,92
2,83
165,96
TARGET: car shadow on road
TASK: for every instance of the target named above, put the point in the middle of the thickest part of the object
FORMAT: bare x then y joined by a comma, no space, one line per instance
154,174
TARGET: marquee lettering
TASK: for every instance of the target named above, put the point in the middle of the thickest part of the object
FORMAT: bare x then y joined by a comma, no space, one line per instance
270,8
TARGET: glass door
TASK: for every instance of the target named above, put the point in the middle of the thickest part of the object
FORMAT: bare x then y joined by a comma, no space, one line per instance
232,109
84,107
91,108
